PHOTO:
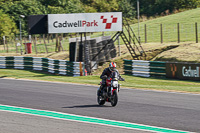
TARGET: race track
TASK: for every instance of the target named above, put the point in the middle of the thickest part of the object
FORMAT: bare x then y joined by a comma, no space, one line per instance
178,111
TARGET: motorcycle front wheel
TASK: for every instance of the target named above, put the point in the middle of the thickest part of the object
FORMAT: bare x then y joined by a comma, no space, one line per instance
99,98
114,98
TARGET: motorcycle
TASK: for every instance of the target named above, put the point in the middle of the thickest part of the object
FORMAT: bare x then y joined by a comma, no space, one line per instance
110,92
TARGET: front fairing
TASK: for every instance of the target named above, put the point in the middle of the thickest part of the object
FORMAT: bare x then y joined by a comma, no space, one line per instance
115,76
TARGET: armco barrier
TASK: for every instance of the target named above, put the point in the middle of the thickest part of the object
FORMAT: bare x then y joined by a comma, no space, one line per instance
61,67
144,68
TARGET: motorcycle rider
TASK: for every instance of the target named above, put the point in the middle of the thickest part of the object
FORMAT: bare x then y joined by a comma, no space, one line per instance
107,73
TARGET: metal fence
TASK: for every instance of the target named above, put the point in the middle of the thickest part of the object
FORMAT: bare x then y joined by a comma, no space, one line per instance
39,44
179,32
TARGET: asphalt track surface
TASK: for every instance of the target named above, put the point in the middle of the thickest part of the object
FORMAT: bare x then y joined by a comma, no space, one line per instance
20,123
178,111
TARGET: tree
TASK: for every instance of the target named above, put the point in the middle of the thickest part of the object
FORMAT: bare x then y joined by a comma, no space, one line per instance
102,5
7,26
22,7
127,8
186,4
74,6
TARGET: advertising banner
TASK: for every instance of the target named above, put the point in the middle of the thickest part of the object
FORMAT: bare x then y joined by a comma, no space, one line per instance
189,71
84,22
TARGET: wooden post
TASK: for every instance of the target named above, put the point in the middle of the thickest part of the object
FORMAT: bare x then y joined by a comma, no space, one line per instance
21,46
196,29
178,29
48,37
16,45
51,37
145,33
56,43
6,46
60,43
119,50
25,45
45,43
35,44
40,39
161,33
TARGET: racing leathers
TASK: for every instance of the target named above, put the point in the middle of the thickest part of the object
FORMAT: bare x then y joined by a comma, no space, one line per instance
107,72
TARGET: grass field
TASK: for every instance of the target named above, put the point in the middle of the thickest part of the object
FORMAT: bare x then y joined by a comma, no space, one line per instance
131,82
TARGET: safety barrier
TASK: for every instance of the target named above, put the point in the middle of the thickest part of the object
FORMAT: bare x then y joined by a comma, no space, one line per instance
61,67
144,68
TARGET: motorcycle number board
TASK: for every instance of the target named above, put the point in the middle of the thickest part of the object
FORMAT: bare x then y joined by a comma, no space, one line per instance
84,22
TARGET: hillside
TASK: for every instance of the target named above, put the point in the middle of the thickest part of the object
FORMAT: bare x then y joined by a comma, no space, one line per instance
186,20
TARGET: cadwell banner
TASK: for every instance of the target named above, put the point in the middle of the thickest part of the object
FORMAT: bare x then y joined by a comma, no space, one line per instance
190,71
84,22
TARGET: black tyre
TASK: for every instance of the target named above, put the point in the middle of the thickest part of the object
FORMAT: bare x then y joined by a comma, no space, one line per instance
114,98
100,100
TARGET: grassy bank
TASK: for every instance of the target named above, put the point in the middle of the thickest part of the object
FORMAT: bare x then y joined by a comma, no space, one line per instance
186,20
131,82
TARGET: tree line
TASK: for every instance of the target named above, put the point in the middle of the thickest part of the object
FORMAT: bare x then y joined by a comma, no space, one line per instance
10,10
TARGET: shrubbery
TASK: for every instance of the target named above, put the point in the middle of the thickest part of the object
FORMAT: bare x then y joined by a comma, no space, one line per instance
13,8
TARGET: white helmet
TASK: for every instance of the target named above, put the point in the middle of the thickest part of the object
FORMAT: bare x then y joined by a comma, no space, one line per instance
112,66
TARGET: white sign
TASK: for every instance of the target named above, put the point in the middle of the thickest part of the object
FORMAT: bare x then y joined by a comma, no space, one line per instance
84,22
4,38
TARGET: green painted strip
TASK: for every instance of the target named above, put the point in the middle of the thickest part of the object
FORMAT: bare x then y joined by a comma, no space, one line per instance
86,119
157,64
128,62
128,67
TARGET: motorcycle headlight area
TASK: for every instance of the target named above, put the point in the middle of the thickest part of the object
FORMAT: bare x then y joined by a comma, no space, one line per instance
115,84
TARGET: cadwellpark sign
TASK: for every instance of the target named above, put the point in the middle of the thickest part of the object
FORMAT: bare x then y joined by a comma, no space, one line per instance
190,71
84,22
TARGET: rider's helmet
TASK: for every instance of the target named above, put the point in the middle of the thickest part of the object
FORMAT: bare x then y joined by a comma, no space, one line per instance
112,66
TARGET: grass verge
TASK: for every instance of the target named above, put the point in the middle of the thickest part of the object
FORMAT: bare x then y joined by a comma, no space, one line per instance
131,81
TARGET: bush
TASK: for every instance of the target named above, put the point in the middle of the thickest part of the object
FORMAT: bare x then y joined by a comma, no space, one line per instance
7,26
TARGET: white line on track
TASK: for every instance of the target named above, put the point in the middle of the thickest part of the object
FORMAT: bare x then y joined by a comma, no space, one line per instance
86,121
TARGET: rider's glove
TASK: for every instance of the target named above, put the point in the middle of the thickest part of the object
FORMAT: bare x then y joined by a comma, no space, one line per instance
122,79
104,77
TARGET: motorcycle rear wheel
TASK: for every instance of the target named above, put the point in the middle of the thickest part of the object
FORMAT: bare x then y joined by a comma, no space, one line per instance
114,98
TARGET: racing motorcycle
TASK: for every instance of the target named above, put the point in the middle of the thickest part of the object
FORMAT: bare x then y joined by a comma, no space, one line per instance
110,92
